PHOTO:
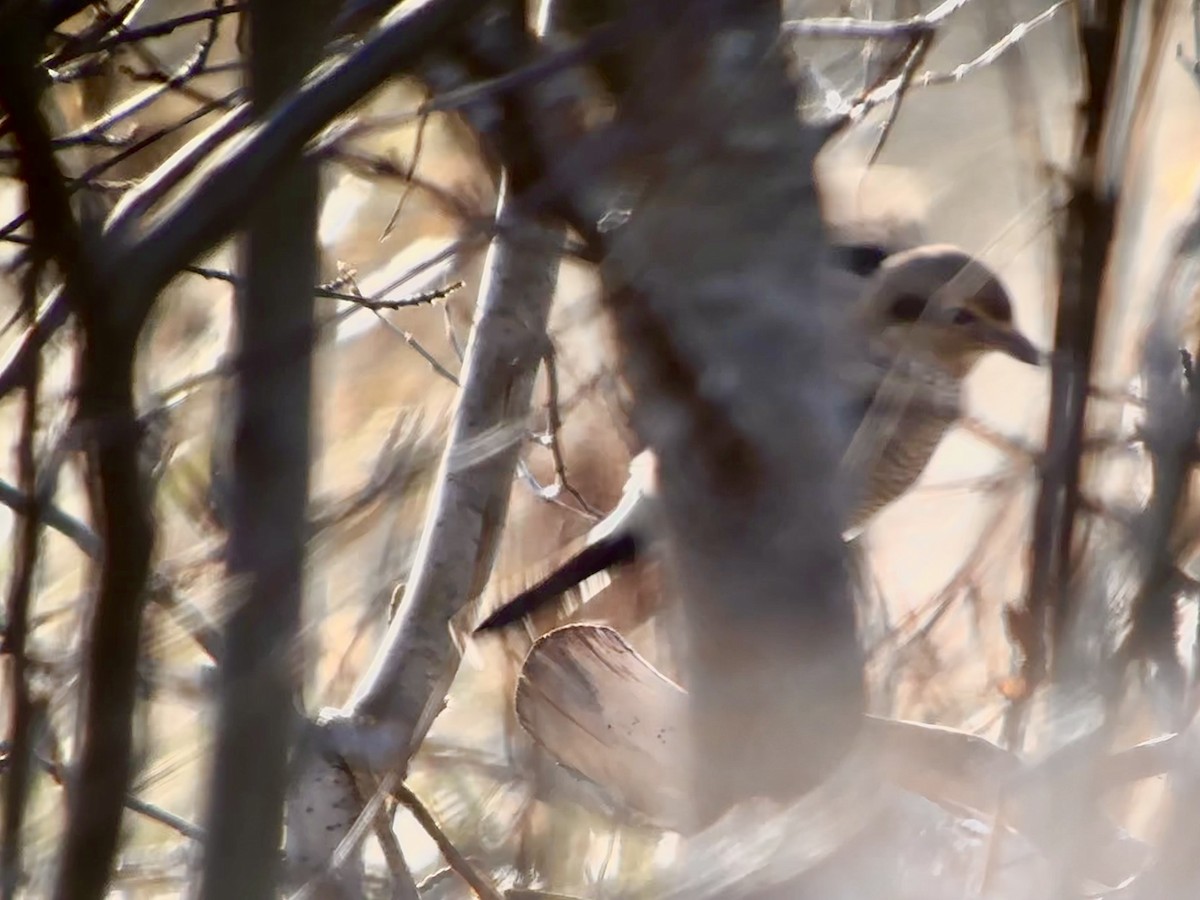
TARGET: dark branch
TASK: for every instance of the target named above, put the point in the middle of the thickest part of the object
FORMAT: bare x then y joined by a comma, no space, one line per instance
105,407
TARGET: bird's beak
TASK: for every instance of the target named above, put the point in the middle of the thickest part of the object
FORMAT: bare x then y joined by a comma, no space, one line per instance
1011,342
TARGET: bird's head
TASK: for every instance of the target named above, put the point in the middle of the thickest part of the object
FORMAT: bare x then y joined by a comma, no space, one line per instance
940,302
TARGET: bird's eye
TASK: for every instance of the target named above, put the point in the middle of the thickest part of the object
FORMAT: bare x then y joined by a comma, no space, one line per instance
907,308
860,259
964,317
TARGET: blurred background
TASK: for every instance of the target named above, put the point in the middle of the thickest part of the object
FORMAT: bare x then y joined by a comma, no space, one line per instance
975,150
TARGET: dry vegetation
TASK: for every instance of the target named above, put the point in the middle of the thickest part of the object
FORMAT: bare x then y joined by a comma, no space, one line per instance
204,616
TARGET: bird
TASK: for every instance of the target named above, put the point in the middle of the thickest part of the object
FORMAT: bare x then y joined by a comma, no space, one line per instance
924,317
927,315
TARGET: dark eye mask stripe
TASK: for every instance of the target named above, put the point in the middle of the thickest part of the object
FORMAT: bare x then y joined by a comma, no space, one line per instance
861,259
907,308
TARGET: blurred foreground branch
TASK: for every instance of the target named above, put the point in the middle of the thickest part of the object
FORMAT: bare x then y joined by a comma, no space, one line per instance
271,455
729,347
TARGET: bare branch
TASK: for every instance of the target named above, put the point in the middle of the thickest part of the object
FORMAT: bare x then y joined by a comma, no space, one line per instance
914,27
182,74
52,517
1011,40
483,888
21,726
144,255
410,674
554,412
105,406
115,37
1084,241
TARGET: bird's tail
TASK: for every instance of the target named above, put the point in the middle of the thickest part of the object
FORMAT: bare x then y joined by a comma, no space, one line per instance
612,550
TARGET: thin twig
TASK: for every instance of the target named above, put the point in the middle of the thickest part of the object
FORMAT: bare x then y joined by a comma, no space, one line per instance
371,165
170,81
920,48
134,804
327,292
561,481
1011,40
418,143
52,516
377,306
423,298
403,886
481,885
101,37
914,27
16,627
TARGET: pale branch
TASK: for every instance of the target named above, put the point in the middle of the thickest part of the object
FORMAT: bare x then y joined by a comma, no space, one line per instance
404,688
1018,33
413,668
913,27
327,820
404,887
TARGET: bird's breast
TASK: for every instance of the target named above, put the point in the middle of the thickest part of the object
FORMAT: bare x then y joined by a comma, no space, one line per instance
910,412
